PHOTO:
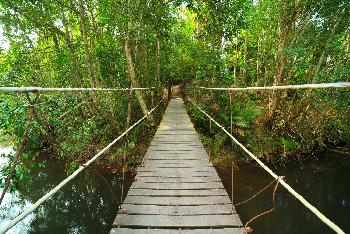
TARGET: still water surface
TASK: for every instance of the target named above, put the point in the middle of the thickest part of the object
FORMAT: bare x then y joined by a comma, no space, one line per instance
325,183
89,203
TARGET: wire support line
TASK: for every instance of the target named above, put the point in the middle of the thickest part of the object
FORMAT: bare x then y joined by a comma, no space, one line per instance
313,209
255,195
52,90
302,86
246,228
5,226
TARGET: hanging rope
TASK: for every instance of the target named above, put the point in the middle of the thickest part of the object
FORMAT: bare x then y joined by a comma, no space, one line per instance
126,143
50,90
321,216
232,185
248,229
231,122
303,86
256,194
5,226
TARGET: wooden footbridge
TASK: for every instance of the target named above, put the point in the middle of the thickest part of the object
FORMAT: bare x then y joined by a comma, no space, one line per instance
177,188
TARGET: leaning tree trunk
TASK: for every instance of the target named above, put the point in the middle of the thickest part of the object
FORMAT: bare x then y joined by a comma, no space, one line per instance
133,80
89,63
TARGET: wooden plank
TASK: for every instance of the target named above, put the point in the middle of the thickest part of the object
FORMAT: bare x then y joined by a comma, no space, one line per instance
178,186
175,170
192,163
177,210
178,231
177,144
177,148
177,201
187,152
208,221
176,137
177,165
173,193
181,141
176,175
178,180
152,162
177,157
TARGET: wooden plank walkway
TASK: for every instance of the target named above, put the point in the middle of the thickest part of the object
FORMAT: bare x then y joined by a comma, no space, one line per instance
177,190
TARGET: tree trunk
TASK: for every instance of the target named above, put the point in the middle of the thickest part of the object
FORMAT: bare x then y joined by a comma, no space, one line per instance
158,63
133,80
279,79
79,78
83,31
91,68
245,56
282,61
257,61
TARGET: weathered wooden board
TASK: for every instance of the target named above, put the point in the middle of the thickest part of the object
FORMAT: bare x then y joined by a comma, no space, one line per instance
177,201
177,154
177,189
178,180
178,186
177,171
178,231
177,193
194,221
178,174
176,157
177,210
176,162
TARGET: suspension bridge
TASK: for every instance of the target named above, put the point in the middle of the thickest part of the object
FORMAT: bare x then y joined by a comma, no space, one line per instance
177,189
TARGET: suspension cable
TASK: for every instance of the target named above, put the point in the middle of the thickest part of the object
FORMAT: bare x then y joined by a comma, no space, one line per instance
5,226
51,90
313,209
302,86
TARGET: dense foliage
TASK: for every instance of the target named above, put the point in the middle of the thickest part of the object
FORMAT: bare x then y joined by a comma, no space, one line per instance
264,43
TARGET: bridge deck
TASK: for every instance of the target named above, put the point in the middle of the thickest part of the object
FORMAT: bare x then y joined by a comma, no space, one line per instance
177,190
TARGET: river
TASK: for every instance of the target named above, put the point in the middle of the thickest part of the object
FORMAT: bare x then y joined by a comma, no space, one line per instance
89,203
323,182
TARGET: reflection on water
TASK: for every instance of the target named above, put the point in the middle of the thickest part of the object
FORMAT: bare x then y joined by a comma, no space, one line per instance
88,204
324,183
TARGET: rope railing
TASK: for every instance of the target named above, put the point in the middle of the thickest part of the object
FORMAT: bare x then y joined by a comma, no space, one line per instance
51,90
313,209
5,226
302,86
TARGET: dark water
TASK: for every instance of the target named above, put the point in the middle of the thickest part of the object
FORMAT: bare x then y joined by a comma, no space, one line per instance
324,183
88,204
